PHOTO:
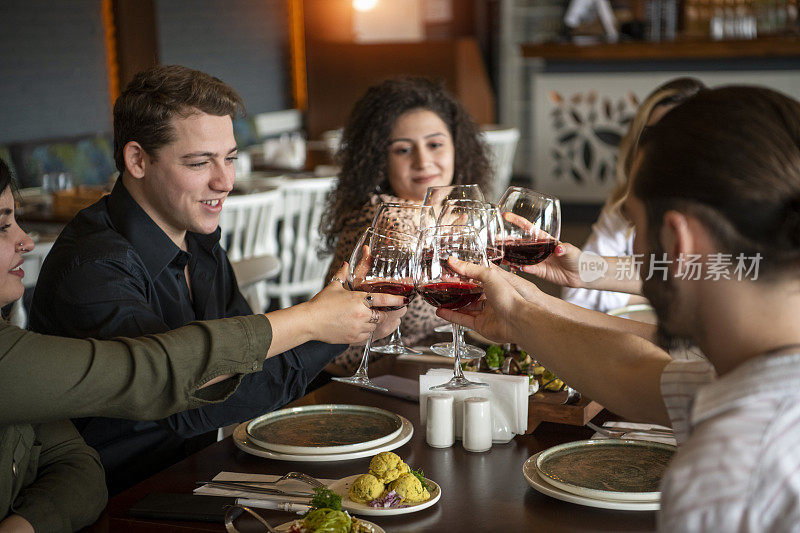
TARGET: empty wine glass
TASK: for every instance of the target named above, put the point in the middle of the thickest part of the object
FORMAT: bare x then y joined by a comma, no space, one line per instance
443,287
532,223
485,219
382,261
436,196
411,219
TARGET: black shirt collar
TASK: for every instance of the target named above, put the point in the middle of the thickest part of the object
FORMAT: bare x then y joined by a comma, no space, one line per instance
151,242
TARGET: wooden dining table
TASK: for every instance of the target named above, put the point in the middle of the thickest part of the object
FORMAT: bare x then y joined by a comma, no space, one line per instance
480,491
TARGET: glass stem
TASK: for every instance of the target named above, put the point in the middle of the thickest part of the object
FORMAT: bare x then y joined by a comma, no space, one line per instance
362,367
457,351
395,339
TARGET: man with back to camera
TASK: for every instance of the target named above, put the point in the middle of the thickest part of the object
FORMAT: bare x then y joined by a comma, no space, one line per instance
147,259
717,183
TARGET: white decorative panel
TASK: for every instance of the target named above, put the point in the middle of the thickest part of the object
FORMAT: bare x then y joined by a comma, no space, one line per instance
578,119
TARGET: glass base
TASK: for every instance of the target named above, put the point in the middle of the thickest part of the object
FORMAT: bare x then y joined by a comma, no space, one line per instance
361,381
461,383
468,351
395,349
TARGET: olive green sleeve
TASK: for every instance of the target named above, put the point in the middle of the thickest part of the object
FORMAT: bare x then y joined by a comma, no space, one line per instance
45,378
68,490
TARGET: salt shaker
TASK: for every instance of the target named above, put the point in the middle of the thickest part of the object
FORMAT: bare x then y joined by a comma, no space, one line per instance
477,424
440,428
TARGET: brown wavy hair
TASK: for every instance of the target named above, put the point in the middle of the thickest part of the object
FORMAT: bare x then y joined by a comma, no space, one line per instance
364,152
144,111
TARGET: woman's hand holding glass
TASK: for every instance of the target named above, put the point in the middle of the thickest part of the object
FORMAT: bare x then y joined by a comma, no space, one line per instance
340,316
532,223
443,287
381,269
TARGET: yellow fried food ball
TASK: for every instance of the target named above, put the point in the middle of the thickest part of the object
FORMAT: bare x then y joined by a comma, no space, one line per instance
365,488
409,488
387,466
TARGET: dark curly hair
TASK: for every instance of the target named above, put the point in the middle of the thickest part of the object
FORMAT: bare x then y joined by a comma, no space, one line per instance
364,151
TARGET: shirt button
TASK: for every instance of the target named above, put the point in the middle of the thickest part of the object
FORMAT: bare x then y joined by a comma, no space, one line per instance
14,469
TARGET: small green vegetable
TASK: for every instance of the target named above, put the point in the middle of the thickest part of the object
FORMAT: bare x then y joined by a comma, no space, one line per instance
325,499
494,356
522,355
420,475
328,521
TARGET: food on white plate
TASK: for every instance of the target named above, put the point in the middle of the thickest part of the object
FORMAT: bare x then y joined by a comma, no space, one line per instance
387,466
365,488
409,488
326,516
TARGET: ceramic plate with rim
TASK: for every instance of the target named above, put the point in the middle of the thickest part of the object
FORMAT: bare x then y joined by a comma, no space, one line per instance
342,486
243,442
607,469
324,429
535,480
286,526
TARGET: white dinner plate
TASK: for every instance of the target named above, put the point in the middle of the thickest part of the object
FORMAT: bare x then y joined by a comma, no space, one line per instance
324,429
243,442
534,480
640,312
342,487
375,527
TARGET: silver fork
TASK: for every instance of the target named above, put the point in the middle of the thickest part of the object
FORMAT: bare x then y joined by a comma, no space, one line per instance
305,478
617,433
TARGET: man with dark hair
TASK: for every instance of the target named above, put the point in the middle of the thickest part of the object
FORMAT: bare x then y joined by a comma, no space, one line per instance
717,182
147,259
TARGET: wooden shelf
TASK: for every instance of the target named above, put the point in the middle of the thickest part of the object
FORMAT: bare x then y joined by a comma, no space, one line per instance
685,49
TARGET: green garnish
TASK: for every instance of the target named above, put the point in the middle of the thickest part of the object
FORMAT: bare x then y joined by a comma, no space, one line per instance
420,475
325,499
494,356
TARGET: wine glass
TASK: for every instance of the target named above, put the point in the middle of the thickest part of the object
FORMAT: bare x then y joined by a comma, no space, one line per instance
411,219
441,286
382,261
436,196
532,223
486,220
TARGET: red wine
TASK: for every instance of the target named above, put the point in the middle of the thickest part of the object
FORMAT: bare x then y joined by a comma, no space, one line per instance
494,255
451,294
521,252
389,287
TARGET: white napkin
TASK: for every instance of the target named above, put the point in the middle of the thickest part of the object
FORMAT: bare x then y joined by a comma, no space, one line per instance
632,427
507,394
287,151
290,485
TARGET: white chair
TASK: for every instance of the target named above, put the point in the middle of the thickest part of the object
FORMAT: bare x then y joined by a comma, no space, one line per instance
503,144
302,269
31,266
248,225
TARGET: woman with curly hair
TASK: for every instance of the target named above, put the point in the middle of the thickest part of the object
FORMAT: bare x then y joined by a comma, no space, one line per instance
403,136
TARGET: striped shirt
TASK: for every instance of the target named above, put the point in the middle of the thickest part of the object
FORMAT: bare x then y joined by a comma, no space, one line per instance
739,468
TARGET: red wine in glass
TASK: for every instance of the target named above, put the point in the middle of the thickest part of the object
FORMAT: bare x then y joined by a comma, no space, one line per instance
389,287
522,252
494,255
451,294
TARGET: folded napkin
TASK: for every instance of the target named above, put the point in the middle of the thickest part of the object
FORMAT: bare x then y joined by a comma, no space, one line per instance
286,151
508,396
289,485
632,427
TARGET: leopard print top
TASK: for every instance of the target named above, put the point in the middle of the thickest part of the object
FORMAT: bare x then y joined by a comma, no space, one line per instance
420,319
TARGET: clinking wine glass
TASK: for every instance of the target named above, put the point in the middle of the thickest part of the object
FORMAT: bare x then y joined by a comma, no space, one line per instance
443,287
437,196
382,261
410,219
532,223
485,219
